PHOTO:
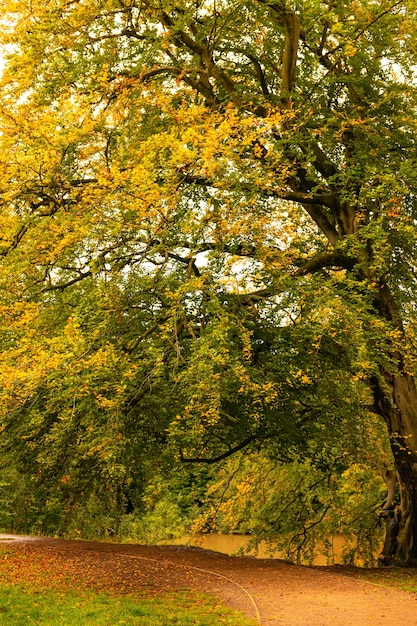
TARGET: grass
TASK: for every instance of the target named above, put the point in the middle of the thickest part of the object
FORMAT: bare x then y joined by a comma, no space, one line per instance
25,606
396,577
401,578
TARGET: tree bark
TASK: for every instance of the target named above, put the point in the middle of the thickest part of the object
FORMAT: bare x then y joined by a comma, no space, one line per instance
396,401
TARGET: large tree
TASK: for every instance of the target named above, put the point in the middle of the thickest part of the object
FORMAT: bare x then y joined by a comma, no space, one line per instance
208,228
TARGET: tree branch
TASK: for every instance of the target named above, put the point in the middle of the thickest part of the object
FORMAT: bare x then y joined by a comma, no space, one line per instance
328,260
260,74
377,18
220,457
289,58
170,69
69,283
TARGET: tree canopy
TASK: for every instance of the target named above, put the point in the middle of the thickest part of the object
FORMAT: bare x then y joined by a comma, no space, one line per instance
208,239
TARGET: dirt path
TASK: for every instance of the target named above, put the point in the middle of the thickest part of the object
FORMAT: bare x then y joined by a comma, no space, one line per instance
272,592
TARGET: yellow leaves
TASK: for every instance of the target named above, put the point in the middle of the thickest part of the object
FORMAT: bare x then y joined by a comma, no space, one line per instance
269,392
303,377
102,76
245,487
73,334
106,403
350,50
258,151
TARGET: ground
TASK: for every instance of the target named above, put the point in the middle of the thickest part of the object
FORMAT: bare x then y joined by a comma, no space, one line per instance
273,592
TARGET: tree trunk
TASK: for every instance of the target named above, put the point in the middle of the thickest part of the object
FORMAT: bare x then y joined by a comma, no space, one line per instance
396,401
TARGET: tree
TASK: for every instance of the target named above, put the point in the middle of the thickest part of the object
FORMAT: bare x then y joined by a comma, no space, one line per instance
208,223
300,508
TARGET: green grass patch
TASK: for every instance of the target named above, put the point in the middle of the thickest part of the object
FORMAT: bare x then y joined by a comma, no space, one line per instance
24,606
396,577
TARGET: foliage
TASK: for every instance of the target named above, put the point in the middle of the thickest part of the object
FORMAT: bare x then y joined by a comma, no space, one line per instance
298,508
161,519
208,228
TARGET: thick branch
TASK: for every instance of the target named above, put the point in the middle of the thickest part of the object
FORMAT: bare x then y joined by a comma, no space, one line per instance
323,199
319,216
289,58
328,260
291,23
